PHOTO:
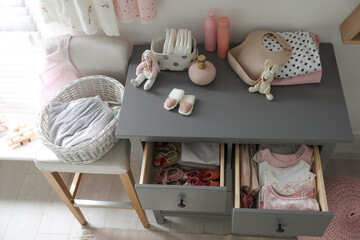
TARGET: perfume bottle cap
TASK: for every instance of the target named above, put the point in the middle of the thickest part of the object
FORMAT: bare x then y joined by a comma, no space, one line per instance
201,58
211,13
201,61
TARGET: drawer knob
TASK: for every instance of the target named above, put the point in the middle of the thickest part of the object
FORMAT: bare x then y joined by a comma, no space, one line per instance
280,229
181,204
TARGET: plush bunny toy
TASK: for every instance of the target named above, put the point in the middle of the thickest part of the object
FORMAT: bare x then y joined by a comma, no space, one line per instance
147,69
263,85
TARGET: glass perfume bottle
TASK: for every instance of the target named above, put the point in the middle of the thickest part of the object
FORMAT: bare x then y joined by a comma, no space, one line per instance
203,72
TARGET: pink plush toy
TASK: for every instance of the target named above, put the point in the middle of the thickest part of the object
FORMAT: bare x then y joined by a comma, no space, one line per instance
147,69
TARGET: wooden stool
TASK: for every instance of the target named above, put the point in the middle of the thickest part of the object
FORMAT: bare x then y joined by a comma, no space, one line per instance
116,161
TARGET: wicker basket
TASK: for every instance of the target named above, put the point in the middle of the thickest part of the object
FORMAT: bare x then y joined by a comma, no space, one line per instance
111,91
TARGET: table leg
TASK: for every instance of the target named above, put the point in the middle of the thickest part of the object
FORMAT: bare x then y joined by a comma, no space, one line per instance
138,150
159,217
325,154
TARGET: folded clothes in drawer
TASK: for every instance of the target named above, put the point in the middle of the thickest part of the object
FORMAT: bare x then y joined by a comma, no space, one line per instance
177,197
289,222
199,155
190,163
286,181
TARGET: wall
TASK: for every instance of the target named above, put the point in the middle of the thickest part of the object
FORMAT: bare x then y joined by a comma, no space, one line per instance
321,16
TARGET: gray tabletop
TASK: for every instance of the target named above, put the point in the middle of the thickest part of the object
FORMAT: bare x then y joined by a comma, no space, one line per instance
224,111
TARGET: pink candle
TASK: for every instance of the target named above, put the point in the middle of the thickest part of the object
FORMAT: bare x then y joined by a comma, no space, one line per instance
223,37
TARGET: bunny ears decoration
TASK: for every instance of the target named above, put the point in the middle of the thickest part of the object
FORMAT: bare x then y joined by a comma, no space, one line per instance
152,57
263,85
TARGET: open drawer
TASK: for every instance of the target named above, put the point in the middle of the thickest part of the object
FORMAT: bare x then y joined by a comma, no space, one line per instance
281,222
179,197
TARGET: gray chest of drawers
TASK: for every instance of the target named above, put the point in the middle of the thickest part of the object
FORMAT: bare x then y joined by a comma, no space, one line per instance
225,112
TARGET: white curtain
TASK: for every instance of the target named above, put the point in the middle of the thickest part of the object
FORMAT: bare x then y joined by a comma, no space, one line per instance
15,15
82,15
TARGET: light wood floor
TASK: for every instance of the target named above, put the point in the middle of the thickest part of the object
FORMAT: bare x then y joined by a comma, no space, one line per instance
30,210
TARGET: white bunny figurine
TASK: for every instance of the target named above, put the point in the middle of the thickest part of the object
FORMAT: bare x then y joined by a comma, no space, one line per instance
263,85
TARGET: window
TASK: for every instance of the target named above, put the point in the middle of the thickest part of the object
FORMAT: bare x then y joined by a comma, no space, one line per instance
19,56
15,15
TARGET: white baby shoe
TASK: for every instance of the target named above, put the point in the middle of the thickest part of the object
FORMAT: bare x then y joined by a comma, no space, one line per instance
174,97
186,105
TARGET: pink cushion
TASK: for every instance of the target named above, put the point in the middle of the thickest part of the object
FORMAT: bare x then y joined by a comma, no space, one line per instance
343,194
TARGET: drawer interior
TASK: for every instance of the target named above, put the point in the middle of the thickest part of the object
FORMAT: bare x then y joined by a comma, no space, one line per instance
316,169
182,198
148,169
281,222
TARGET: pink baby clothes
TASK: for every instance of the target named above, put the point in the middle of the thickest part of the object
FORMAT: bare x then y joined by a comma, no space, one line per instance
128,10
58,69
147,10
278,160
314,77
291,187
303,201
290,174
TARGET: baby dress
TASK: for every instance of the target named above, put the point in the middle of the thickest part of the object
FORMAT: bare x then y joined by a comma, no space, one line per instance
128,10
303,200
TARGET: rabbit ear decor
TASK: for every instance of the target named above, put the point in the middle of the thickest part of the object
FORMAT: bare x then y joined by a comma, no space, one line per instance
263,85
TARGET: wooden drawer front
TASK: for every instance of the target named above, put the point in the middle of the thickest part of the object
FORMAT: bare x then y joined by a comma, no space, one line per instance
178,197
281,222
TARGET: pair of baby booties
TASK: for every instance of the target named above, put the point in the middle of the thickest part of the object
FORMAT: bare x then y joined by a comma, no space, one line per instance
177,96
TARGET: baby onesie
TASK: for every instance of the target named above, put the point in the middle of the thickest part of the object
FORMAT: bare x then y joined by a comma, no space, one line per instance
291,174
304,153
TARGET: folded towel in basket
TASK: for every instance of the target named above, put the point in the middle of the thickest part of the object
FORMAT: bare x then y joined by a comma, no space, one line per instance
74,122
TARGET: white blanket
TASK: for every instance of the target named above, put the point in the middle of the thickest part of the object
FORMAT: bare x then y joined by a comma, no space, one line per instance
75,122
